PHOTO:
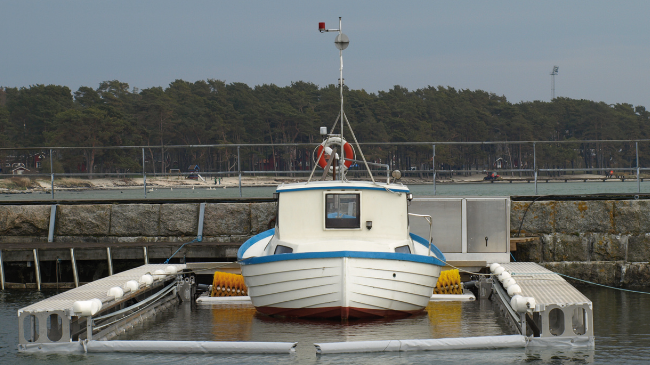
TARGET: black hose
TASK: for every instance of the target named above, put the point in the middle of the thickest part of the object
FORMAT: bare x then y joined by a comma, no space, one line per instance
526,211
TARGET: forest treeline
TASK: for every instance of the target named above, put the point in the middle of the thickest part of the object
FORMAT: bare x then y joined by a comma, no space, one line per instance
214,112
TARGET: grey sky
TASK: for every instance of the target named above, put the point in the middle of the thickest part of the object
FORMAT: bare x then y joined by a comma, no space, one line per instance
505,47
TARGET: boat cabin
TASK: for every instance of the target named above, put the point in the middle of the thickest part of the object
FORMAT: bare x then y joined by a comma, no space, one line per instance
341,216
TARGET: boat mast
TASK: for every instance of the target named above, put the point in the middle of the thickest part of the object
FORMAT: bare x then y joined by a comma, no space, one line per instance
338,45
341,42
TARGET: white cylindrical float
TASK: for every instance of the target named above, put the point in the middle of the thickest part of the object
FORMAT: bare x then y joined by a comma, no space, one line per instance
509,281
445,344
116,292
146,279
131,286
193,347
498,271
171,270
514,290
85,308
522,304
494,266
503,276
159,274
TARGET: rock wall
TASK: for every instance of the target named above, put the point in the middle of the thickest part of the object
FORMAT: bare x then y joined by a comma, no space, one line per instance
605,241
223,222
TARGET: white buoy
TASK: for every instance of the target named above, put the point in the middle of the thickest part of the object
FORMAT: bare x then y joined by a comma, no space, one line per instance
513,290
116,292
509,281
85,308
158,274
498,270
503,276
132,285
171,270
522,304
494,266
146,279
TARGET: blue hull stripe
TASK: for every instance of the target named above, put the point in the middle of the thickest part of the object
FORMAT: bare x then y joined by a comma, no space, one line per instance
253,240
338,254
342,187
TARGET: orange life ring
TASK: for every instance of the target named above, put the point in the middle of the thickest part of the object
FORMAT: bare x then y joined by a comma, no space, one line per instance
349,153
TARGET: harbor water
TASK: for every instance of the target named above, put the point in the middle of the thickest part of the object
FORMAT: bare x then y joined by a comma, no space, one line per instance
458,189
621,323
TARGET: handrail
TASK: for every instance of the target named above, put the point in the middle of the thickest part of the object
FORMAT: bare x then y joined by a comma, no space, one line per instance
430,220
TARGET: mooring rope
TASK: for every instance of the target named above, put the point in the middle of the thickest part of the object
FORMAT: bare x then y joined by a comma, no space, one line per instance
197,239
553,272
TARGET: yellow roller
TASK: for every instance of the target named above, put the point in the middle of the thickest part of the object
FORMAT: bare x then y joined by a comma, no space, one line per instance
449,283
228,285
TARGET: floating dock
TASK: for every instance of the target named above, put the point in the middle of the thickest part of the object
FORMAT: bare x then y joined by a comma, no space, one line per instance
558,312
538,304
139,292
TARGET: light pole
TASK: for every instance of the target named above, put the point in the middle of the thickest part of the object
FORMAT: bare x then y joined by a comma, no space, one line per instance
553,73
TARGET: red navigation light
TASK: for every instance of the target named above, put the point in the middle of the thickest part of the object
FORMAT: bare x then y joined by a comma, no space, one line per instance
321,26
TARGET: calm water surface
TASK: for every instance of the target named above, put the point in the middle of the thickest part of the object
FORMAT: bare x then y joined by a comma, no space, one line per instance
621,321
460,189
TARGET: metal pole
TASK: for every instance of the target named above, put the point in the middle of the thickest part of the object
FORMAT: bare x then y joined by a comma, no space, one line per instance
89,328
51,175
2,272
37,269
239,169
146,255
74,268
342,161
433,161
144,175
535,166
638,172
110,261
50,234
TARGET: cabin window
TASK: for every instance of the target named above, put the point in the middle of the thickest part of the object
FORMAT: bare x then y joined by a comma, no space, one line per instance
342,211
279,249
403,249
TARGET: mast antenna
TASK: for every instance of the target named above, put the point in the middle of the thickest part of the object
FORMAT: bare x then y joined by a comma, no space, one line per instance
341,42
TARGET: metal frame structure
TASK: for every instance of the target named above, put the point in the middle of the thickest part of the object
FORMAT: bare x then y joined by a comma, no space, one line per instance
436,172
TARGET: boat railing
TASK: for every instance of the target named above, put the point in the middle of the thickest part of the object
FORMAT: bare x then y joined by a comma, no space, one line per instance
430,221
374,164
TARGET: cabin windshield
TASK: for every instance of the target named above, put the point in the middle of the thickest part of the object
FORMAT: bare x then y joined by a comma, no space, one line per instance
342,211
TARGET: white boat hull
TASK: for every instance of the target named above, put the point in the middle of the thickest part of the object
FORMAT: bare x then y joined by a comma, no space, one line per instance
343,287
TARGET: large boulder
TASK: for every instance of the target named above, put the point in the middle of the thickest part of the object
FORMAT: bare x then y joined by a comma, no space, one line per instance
573,217
538,218
179,219
263,217
227,219
24,220
135,220
83,220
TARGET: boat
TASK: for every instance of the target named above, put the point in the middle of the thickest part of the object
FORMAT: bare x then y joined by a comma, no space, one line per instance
341,248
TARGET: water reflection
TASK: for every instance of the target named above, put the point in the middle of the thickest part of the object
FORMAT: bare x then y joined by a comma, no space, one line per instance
621,324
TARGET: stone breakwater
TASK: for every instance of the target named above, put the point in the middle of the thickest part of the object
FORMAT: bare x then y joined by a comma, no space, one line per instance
116,223
605,241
